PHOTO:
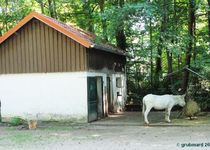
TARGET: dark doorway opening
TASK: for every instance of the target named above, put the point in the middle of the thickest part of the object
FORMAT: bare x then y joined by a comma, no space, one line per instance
110,107
95,98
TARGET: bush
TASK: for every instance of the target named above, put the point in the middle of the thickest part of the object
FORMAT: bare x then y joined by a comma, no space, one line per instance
15,121
191,109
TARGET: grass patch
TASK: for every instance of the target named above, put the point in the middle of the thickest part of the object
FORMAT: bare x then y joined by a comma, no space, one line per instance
29,137
50,132
22,137
200,120
56,128
10,129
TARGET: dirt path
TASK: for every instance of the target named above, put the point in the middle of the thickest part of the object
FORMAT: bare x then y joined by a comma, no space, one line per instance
117,132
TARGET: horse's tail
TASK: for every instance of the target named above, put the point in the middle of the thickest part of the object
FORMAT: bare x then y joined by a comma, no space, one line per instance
143,107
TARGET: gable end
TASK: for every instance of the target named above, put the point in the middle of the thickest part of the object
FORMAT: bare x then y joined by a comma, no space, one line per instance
38,48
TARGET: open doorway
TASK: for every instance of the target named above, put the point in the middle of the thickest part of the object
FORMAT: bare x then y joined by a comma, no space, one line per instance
110,105
95,98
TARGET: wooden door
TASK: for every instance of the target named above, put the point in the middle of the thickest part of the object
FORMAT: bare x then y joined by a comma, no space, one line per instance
92,99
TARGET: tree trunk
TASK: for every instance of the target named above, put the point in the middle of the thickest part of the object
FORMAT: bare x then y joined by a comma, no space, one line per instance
103,21
175,24
6,11
194,44
54,9
90,22
170,61
158,69
209,17
151,52
51,9
191,23
88,11
162,37
158,59
173,40
120,34
121,39
41,5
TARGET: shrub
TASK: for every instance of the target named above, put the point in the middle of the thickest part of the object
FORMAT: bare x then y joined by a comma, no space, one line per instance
191,109
15,121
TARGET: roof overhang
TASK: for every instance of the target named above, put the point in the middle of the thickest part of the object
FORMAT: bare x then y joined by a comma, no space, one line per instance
110,50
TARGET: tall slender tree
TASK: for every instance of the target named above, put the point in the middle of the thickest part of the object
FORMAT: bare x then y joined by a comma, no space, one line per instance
89,9
151,49
52,8
191,24
162,37
41,3
169,53
209,18
120,33
101,4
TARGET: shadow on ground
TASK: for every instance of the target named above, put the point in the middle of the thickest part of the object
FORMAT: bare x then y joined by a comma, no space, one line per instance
155,119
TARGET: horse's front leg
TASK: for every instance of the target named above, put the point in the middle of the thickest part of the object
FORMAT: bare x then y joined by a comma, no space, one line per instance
167,115
146,114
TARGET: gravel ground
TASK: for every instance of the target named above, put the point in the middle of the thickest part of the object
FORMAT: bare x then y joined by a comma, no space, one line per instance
122,131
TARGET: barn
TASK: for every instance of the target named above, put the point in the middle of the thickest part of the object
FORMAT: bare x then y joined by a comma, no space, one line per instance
51,70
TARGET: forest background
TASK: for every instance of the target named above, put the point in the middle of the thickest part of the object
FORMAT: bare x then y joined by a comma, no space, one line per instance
167,41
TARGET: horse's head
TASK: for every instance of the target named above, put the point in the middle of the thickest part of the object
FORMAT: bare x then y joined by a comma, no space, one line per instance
181,100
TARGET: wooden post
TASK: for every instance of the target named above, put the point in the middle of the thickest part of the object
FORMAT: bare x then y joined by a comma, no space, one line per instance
0,111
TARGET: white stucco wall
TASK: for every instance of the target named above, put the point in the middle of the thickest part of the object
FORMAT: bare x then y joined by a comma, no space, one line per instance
119,101
44,95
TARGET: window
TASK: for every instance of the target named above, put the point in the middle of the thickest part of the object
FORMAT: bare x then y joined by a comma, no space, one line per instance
119,82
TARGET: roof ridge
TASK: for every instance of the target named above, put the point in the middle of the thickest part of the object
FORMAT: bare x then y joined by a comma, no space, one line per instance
70,25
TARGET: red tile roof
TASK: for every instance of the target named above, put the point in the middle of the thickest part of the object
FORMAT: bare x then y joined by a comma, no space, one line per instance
83,37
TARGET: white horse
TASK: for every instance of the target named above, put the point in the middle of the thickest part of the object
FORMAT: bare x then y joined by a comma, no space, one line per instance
160,102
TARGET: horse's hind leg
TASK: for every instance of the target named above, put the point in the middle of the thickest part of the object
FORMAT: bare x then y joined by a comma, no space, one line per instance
146,114
167,115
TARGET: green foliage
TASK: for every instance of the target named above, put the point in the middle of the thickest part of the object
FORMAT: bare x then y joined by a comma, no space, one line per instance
11,12
148,26
15,121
